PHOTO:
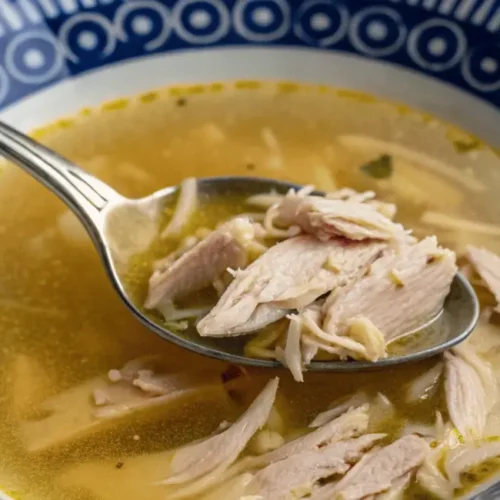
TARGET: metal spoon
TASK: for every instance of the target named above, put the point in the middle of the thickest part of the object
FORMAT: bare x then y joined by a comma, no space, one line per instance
120,228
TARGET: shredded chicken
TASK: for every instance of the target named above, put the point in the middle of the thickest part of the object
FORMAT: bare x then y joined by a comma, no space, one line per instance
487,264
289,275
349,281
188,201
352,423
429,475
292,354
342,346
465,397
143,388
376,471
301,471
370,336
218,452
427,272
139,386
352,251
483,368
266,201
201,265
425,385
328,218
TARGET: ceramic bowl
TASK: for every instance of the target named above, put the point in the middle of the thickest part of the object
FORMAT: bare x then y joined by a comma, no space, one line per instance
442,56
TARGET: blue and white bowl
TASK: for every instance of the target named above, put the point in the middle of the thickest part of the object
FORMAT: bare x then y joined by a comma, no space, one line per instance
57,56
443,56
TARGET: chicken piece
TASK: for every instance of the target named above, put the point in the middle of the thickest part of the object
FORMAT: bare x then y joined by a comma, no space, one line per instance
72,414
365,340
330,218
220,451
158,384
290,275
349,425
309,346
266,201
487,265
367,334
148,390
146,373
186,205
425,273
280,480
375,472
305,339
465,397
142,383
292,355
264,315
483,368
197,268
425,385
352,423
131,369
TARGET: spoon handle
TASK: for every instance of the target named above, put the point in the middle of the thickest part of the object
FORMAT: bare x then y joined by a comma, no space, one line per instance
83,193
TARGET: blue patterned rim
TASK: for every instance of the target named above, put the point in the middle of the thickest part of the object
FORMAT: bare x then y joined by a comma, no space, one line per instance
45,41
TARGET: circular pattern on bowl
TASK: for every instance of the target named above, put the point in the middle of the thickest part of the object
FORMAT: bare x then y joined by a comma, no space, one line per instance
46,41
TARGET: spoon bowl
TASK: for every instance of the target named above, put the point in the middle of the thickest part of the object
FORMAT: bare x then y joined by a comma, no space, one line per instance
121,227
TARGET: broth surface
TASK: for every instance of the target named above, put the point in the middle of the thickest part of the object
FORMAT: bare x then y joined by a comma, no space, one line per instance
61,323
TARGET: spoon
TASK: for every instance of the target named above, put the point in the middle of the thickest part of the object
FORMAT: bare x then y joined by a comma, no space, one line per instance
120,227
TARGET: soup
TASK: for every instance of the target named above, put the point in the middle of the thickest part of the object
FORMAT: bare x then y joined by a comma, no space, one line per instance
64,329
319,269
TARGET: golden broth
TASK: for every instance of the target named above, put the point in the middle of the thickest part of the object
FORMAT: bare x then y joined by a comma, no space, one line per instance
62,323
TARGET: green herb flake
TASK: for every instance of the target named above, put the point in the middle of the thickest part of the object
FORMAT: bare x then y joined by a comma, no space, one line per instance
462,147
379,168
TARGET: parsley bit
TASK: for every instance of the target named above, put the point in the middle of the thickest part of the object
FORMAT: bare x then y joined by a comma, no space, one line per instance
379,168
